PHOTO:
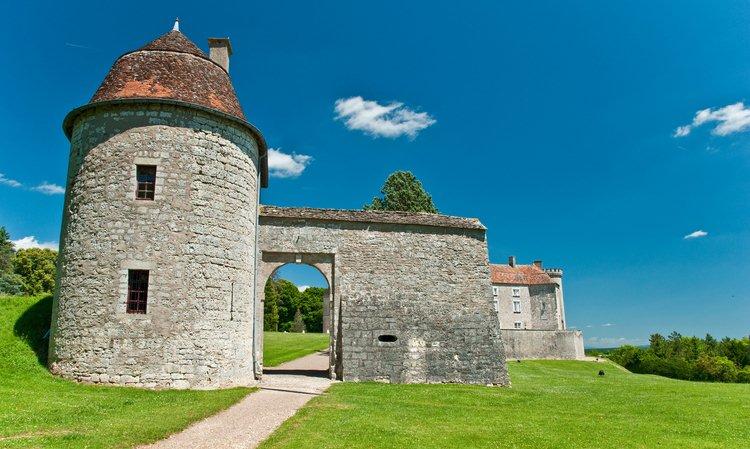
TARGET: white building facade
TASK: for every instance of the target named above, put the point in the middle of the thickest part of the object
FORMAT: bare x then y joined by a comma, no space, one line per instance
529,303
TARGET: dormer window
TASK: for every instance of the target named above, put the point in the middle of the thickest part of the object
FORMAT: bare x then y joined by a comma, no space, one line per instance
145,182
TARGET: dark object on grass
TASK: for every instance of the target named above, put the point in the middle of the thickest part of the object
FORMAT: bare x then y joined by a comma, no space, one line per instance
518,360
601,372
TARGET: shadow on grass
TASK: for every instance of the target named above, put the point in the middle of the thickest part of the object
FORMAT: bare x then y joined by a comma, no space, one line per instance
33,326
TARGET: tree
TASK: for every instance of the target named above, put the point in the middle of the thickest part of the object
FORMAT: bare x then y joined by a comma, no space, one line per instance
402,191
10,282
6,252
657,344
271,307
311,306
297,325
36,266
288,303
283,302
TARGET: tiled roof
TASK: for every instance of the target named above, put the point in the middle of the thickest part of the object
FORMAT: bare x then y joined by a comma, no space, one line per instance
371,216
519,275
171,67
174,41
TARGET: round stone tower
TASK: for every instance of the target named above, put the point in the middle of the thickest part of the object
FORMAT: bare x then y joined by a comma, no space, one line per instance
158,243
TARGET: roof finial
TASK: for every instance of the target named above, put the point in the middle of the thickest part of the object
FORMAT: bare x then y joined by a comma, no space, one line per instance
176,26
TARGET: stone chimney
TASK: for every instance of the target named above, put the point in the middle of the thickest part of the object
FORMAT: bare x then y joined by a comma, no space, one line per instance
538,263
219,51
512,261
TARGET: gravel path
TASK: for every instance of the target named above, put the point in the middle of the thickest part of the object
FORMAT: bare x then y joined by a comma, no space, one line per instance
283,390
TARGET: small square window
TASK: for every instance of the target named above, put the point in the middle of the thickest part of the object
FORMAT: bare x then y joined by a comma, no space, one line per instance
145,182
517,325
516,306
495,290
137,291
516,292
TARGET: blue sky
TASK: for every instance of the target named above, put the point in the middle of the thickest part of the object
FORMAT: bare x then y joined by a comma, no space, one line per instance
555,123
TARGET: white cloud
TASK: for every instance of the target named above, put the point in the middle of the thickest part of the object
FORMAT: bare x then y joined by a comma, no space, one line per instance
302,288
682,131
391,120
608,324
696,235
31,242
9,182
733,118
283,165
49,189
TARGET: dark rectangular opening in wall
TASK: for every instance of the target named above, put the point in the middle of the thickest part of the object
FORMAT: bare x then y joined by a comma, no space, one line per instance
146,182
137,291
387,338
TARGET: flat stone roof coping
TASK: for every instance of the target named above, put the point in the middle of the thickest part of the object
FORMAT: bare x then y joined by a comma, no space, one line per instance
372,216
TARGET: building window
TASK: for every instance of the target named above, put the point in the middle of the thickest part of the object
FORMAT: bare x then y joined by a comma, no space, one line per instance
516,306
495,290
516,292
137,291
145,182
517,325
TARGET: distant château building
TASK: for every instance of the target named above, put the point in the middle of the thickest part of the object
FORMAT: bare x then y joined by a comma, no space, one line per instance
529,303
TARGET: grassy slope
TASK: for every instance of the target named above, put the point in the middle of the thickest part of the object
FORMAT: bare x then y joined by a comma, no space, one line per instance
279,347
552,404
40,410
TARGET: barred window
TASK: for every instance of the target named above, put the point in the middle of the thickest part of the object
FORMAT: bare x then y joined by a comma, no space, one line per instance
146,182
137,291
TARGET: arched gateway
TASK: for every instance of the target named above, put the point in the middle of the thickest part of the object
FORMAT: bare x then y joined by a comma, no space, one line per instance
164,248
410,293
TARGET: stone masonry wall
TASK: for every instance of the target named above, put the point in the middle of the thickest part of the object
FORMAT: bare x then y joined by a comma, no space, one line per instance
429,286
197,238
542,344
543,307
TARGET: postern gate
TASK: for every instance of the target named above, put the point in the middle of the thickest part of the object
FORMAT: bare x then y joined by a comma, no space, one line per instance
410,293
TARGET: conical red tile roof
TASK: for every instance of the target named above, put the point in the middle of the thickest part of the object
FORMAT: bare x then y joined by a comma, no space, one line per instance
171,67
174,41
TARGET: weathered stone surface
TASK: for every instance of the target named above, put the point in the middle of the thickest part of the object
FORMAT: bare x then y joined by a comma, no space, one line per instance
372,216
197,238
542,344
428,286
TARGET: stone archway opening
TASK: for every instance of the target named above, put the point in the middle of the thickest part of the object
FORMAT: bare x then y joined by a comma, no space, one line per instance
297,291
296,310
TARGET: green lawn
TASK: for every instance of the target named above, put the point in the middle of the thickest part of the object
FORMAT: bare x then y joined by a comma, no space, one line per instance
39,410
552,405
279,347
